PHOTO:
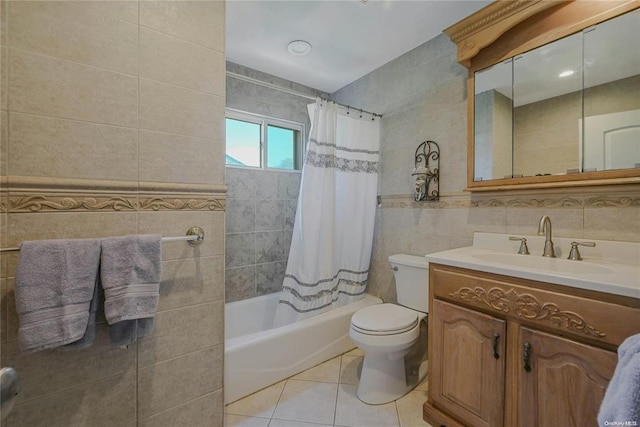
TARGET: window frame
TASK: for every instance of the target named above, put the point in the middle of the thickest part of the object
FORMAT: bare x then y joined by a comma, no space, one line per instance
264,122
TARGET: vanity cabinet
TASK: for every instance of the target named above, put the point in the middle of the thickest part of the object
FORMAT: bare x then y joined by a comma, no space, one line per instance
464,345
506,351
566,382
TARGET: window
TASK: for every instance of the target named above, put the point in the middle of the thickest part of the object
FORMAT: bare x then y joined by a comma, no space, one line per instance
263,142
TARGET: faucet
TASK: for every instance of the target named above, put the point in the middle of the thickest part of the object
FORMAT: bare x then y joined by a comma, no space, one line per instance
545,227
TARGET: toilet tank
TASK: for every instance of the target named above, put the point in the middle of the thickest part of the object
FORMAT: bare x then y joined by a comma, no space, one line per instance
412,281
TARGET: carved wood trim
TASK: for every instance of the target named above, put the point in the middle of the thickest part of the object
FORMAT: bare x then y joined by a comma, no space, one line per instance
526,306
485,26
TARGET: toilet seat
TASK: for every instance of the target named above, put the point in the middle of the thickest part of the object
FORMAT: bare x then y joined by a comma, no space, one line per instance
384,319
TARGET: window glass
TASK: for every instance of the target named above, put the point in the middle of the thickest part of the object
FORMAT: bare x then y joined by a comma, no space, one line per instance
281,147
243,143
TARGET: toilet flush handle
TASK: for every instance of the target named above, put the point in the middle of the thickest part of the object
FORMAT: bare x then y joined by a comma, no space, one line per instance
394,268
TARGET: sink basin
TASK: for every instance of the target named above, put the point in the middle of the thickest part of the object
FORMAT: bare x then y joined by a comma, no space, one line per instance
543,263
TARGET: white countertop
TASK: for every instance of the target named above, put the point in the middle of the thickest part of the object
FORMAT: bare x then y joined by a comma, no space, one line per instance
611,267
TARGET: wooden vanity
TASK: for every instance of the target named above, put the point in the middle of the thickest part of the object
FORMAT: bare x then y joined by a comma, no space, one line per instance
506,351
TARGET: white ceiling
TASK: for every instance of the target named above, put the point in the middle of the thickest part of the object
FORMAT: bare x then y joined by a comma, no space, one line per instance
350,38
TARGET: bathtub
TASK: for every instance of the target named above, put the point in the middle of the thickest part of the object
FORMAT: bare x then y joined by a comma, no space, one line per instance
257,355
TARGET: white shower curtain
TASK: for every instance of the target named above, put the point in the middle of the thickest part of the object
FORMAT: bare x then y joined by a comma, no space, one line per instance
333,230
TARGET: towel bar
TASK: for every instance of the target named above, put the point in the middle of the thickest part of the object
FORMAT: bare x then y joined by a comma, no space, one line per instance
194,236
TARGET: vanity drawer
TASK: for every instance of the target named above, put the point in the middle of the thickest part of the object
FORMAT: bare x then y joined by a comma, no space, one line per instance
539,304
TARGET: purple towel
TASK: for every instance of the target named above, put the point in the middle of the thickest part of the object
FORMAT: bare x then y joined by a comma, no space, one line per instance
55,284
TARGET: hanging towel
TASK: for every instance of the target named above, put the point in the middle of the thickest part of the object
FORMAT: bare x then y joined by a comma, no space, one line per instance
55,284
130,271
621,401
90,333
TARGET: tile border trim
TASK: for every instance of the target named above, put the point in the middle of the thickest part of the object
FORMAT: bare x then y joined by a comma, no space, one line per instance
556,201
38,194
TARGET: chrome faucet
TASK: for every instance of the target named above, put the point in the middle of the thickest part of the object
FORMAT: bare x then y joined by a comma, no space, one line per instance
545,227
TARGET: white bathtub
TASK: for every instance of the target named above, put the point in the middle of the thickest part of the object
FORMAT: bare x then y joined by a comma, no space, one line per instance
257,355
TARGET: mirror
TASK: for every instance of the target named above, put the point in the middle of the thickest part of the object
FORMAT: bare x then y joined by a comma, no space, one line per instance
532,111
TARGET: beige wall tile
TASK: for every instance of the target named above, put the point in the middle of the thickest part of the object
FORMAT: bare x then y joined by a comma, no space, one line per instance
168,108
3,22
4,303
172,60
565,222
4,77
4,138
205,411
69,225
612,223
43,85
167,157
126,10
109,402
50,371
182,331
176,223
168,384
66,31
199,22
46,146
191,281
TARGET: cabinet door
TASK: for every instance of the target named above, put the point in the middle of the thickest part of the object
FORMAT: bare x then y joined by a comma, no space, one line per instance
467,376
565,382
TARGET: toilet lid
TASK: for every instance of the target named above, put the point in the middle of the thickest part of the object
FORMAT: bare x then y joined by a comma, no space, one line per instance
384,318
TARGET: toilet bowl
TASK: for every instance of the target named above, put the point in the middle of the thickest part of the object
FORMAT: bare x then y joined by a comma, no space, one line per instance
387,332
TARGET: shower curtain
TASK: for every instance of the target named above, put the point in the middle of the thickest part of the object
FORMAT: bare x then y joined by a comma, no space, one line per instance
333,230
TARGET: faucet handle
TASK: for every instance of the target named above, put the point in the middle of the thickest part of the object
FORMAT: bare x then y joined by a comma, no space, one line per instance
524,250
574,254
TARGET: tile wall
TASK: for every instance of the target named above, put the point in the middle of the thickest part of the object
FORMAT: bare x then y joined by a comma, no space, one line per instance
261,204
422,95
261,209
113,124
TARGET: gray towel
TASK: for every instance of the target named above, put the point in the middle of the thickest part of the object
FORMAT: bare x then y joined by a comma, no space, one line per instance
130,272
621,401
90,333
55,283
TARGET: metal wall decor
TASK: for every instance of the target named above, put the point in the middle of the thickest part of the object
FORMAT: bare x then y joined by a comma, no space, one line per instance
427,172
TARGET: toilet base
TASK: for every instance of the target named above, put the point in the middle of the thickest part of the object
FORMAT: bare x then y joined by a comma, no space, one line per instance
382,380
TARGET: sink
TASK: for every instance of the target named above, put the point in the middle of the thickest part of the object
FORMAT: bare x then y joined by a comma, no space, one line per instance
543,263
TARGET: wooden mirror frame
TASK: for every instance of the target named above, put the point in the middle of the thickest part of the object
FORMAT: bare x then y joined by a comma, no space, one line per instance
506,28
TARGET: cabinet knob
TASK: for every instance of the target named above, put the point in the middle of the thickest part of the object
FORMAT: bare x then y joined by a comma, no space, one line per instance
527,357
494,344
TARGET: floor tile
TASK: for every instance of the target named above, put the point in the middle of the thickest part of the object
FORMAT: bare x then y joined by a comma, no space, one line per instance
350,369
328,372
410,409
307,401
355,352
351,412
259,404
284,423
423,386
231,420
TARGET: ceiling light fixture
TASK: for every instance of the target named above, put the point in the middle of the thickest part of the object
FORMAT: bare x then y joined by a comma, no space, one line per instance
566,73
299,48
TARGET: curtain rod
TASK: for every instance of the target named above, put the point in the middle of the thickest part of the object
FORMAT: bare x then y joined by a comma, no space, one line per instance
349,107
295,92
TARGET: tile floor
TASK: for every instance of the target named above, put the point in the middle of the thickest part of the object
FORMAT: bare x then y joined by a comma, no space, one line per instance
325,396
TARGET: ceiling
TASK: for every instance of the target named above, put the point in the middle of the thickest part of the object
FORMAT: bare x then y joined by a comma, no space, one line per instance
350,38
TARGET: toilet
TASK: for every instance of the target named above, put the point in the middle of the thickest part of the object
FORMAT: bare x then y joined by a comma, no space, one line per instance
387,332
